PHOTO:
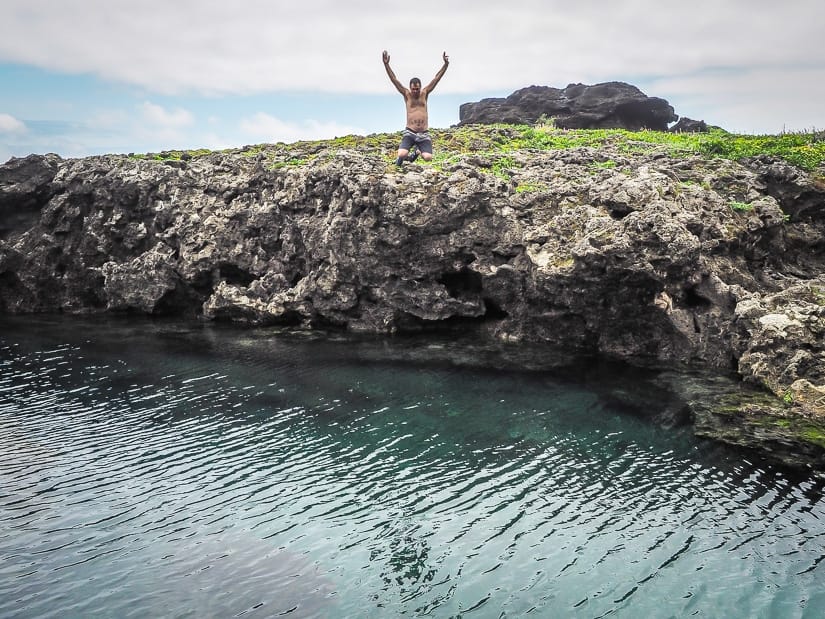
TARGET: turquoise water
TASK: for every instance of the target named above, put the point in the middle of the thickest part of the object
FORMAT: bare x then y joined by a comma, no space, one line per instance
168,470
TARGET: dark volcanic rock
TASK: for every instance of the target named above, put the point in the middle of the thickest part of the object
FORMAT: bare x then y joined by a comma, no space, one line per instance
25,187
688,125
611,105
642,259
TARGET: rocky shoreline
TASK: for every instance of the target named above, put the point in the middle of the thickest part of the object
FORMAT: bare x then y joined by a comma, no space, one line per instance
632,253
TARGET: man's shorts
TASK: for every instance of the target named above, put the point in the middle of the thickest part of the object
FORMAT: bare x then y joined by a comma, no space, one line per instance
422,140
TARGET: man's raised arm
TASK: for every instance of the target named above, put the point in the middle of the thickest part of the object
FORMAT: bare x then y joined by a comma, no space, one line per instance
398,85
438,75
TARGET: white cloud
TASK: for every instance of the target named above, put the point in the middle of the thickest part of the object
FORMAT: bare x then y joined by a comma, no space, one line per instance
213,46
109,120
262,127
761,100
9,124
747,65
161,117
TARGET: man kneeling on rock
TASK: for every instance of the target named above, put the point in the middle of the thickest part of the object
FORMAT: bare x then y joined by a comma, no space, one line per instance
415,98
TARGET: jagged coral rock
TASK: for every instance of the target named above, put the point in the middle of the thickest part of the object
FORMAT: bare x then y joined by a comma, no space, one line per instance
635,254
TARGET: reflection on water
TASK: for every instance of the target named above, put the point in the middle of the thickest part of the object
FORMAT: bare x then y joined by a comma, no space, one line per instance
166,470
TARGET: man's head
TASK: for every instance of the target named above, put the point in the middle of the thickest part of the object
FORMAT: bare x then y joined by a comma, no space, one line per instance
415,86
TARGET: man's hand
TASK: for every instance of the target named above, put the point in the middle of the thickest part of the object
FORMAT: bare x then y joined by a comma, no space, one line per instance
446,58
386,57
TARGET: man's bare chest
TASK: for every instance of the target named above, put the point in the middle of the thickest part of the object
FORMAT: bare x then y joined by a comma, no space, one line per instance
419,103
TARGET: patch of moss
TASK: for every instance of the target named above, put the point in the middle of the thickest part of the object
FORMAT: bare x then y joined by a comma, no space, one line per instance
502,167
564,263
794,428
252,151
814,434
294,161
527,187
604,165
742,207
174,155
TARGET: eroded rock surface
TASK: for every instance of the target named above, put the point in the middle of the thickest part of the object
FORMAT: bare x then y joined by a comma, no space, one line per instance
632,255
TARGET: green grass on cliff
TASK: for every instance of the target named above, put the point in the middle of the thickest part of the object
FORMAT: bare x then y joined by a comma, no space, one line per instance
806,150
803,149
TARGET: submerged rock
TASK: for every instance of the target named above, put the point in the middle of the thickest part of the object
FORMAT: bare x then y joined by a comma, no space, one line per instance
636,255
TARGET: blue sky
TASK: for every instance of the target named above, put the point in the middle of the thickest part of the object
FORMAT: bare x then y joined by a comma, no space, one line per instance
82,77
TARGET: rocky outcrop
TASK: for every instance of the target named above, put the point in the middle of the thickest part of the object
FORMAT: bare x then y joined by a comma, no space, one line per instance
611,105
634,255
688,125
25,187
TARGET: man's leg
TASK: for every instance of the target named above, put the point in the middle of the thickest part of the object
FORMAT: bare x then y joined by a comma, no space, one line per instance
404,149
426,148
402,156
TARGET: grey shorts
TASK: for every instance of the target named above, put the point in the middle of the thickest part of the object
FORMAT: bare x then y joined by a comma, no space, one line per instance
422,140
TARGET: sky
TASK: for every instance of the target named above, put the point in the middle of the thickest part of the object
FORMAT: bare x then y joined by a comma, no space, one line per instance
85,77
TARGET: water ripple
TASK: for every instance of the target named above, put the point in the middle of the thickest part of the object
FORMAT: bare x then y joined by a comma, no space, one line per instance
207,473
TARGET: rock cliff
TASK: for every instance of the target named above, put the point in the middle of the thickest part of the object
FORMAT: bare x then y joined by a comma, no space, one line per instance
635,253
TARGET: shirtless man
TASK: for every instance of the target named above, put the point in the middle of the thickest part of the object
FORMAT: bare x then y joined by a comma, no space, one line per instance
415,98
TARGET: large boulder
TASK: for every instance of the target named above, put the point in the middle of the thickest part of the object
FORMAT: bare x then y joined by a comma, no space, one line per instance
610,105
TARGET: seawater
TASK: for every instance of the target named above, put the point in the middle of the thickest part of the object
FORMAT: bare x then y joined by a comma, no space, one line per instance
174,470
